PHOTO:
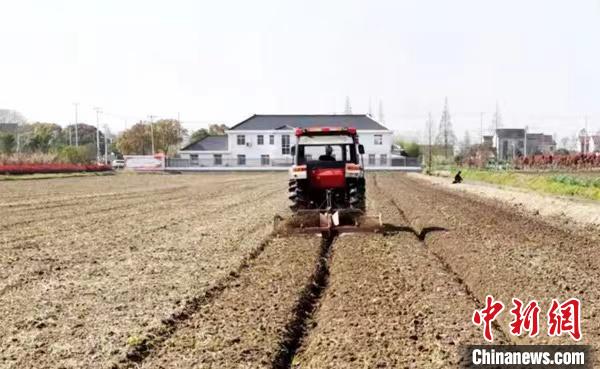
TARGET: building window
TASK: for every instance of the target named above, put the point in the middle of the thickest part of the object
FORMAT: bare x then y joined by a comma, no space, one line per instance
194,159
285,145
241,159
383,159
378,139
271,139
371,159
218,159
241,139
265,160
260,140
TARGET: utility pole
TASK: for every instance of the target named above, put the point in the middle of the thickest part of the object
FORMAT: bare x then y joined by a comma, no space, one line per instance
481,127
179,134
525,141
105,144
429,136
18,133
151,117
76,123
98,111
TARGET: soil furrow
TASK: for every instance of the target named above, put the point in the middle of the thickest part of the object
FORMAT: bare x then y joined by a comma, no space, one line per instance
242,327
421,235
389,303
495,250
110,282
298,327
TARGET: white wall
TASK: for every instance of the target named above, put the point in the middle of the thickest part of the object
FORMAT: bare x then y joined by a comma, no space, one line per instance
366,138
253,150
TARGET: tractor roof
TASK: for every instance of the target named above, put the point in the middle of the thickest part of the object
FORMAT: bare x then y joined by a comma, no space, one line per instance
326,131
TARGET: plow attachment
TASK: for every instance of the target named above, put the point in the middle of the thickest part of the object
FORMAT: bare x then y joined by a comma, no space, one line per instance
328,223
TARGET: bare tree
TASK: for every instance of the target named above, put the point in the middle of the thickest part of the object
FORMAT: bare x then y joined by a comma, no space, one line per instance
381,116
446,136
496,119
466,144
348,107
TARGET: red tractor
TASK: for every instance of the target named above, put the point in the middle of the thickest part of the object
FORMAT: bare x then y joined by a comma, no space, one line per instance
328,180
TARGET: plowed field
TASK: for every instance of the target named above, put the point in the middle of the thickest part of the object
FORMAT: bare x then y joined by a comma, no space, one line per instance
183,271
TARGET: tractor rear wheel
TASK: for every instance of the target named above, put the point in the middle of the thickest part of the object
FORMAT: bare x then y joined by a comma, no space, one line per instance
296,195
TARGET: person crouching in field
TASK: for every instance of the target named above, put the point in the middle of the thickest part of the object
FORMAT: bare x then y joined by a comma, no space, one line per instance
457,178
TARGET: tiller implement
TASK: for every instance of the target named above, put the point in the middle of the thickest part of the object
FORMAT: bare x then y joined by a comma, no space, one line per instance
327,184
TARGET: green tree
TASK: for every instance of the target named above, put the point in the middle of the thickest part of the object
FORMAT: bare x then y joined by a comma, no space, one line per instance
86,133
199,134
213,130
40,137
412,149
7,143
136,140
168,134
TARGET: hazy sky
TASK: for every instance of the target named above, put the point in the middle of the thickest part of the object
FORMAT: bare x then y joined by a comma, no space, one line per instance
220,61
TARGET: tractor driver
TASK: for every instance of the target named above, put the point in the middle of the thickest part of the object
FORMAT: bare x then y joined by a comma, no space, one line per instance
328,154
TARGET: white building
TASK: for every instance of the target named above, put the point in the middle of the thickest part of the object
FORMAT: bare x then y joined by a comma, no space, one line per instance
588,142
510,143
266,140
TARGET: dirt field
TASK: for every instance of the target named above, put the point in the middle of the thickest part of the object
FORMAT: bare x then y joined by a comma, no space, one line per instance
182,271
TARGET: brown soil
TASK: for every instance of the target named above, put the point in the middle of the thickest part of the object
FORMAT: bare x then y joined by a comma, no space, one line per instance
390,303
90,263
500,252
246,322
183,271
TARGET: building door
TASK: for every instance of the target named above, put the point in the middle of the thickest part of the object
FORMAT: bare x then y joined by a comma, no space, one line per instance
383,160
285,145
265,160
218,159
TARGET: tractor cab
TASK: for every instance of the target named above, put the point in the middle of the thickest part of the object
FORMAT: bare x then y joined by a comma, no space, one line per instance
327,171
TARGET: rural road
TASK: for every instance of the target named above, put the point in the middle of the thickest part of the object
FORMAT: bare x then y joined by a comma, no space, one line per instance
141,271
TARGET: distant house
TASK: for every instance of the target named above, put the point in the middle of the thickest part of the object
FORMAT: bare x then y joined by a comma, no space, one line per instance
509,143
266,140
588,143
210,148
539,143
488,141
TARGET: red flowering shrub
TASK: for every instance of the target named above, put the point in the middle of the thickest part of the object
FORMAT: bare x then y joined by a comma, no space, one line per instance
573,161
